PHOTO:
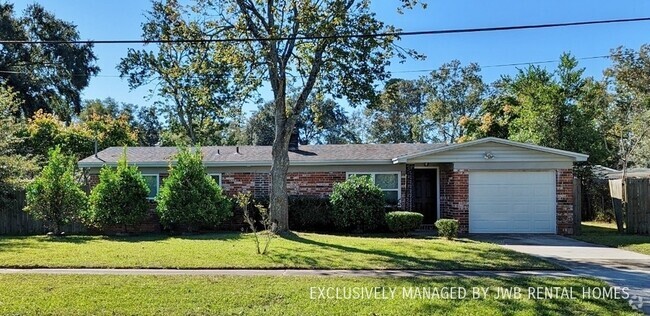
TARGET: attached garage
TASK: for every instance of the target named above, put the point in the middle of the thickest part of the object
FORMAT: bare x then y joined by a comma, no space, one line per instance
495,185
512,202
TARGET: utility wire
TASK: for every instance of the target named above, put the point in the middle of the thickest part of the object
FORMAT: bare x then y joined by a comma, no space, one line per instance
512,64
401,71
316,37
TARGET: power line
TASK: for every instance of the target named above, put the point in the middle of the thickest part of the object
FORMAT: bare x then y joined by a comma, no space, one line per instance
316,37
512,64
550,61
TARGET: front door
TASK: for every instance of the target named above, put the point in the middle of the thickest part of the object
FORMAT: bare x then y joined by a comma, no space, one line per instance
425,196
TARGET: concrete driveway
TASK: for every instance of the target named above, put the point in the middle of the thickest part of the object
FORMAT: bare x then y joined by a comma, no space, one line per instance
615,266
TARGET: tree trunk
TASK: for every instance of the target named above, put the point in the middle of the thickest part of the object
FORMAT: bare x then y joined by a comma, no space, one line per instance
279,204
56,228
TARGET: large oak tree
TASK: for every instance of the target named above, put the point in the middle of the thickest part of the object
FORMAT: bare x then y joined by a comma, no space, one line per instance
294,47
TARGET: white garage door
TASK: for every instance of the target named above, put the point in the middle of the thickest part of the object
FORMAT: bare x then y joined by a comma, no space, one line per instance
512,202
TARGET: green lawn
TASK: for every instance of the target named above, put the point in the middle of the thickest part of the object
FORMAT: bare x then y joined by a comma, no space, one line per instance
233,250
203,295
606,234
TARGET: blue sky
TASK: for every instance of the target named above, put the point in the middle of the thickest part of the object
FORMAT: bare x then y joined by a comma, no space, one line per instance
121,19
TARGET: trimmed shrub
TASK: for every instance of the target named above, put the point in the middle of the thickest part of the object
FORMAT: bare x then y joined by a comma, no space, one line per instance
403,222
55,196
307,213
189,198
120,198
447,228
357,205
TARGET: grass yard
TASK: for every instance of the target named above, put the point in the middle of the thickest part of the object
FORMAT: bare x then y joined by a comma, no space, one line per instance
210,295
606,234
234,250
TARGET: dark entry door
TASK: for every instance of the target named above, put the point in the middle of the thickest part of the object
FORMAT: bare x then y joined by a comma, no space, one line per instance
425,195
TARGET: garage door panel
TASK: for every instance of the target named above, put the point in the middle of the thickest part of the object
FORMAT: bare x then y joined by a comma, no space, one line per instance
512,202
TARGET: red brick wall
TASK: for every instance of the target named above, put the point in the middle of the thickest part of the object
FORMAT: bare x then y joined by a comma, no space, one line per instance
298,183
454,196
313,183
564,201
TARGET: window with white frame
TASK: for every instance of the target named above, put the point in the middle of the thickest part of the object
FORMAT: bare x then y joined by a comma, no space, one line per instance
388,182
152,182
216,177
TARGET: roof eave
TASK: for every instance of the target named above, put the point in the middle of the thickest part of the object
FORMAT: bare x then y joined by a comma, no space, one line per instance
262,163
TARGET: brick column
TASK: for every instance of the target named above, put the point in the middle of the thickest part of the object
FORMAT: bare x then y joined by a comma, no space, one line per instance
564,201
454,196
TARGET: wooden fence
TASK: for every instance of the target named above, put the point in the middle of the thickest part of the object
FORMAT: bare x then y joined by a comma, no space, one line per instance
577,206
15,221
637,220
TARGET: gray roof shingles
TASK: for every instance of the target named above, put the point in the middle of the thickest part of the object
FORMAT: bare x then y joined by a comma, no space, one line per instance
326,154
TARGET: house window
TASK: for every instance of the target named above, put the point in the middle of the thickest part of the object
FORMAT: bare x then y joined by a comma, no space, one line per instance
216,177
388,182
152,183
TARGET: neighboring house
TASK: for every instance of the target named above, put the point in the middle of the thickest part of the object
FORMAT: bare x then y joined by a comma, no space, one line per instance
611,174
489,185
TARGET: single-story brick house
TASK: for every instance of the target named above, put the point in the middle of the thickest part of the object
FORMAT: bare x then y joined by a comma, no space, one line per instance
490,185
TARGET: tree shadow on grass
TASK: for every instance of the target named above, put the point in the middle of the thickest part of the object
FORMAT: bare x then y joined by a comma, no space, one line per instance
81,239
371,235
15,243
483,259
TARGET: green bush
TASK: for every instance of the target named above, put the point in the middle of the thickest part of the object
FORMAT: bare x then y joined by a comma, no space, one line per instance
357,205
120,198
403,222
189,198
55,196
307,213
447,228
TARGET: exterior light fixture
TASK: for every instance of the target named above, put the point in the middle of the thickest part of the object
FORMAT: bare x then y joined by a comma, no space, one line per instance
488,155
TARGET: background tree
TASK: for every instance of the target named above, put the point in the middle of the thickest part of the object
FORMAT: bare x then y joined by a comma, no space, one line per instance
108,107
494,117
120,198
55,196
144,121
15,169
111,131
322,121
46,131
559,109
196,78
148,126
629,81
398,114
630,111
453,93
316,53
46,76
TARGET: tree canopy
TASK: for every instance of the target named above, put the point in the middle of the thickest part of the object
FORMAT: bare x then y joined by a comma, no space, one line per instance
48,77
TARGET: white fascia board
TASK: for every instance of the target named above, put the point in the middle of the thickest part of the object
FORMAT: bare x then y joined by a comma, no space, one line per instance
575,156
